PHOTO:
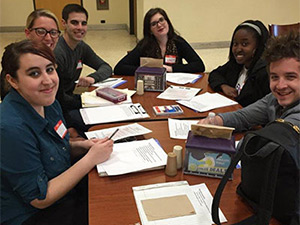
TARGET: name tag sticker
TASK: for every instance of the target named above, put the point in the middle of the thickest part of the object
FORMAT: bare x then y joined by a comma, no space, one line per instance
170,59
79,65
61,129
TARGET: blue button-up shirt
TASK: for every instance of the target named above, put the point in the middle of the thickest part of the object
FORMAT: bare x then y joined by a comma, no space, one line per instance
32,153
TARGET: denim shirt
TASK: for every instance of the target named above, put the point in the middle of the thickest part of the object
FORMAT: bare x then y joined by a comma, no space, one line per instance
32,153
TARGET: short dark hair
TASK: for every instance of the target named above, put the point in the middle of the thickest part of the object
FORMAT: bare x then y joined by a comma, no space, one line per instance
11,59
284,46
73,8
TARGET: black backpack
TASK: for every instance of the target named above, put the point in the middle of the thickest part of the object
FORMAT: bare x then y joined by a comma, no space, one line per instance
269,176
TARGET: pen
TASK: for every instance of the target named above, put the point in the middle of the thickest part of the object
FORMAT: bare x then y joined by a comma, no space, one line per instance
113,134
105,81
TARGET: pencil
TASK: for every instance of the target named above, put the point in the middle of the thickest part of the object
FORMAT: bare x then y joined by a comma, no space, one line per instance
113,134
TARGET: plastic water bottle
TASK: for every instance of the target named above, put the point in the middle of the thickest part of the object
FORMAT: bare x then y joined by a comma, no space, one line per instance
211,118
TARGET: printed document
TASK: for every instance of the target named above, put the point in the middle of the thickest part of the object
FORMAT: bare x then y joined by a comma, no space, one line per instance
179,93
128,157
125,131
182,78
207,101
113,113
205,199
179,129
170,190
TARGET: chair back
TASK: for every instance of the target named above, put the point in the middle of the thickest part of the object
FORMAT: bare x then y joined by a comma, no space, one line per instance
276,30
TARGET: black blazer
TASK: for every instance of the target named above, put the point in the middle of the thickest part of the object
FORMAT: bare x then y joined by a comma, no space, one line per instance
255,87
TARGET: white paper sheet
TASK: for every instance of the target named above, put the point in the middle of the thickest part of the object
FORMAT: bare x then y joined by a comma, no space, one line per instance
113,113
167,190
205,199
109,82
125,131
179,93
179,129
182,78
207,101
134,156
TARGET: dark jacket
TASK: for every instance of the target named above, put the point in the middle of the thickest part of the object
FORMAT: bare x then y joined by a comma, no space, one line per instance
129,63
255,87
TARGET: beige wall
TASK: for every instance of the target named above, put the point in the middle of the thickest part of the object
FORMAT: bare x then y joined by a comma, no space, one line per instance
13,13
196,20
215,20
118,12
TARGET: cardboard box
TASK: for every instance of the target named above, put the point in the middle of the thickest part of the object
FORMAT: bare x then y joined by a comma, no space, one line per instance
154,78
208,156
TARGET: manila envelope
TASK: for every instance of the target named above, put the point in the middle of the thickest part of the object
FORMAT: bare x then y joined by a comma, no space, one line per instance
151,62
167,207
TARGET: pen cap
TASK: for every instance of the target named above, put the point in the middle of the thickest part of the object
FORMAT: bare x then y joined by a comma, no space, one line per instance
171,168
140,87
177,149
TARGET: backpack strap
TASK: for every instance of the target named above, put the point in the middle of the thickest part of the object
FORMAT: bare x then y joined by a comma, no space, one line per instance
264,211
229,171
265,206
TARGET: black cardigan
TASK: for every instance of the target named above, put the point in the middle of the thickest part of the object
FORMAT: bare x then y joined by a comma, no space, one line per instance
129,63
255,87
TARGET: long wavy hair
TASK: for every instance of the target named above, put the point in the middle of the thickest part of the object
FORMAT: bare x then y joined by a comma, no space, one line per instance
149,41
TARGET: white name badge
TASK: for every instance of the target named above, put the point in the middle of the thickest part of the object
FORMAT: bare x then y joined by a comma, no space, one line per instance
170,59
60,129
79,65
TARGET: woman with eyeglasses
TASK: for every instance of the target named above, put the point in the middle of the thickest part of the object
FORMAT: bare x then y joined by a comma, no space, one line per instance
42,25
161,41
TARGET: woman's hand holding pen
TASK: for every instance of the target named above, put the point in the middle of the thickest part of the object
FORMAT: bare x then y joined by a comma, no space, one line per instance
100,150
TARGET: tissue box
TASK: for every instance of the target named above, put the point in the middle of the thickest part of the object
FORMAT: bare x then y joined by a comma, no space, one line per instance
154,78
208,156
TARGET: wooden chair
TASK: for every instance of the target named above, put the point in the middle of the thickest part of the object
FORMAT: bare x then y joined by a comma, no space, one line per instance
276,30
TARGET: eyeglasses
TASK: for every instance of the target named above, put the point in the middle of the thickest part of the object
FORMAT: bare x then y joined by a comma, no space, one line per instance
160,20
42,32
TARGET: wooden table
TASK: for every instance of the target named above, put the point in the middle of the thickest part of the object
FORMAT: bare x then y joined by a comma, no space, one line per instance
149,99
111,200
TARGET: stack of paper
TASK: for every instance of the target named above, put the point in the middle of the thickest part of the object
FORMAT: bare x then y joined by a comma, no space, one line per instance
182,78
207,101
174,203
125,131
113,113
179,93
131,157
110,82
